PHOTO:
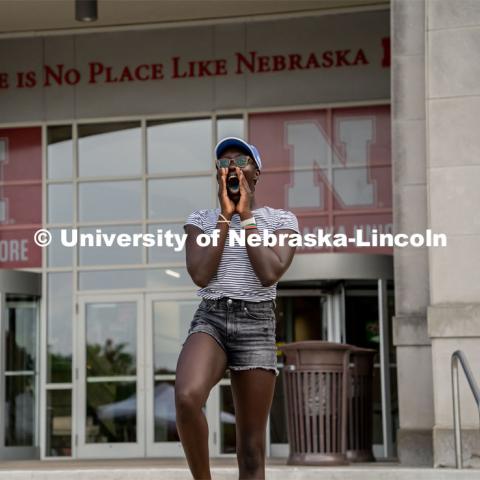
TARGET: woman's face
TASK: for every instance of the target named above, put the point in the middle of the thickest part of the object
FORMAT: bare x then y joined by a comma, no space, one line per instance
250,172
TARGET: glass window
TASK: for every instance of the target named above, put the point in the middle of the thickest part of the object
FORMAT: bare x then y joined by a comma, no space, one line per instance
116,200
19,411
58,254
60,203
59,327
230,127
111,279
179,146
111,330
110,149
21,334
172,277
170,325
114,254
152,278
111,412
59,423
165,413
111,355
165,253
177,198
59,152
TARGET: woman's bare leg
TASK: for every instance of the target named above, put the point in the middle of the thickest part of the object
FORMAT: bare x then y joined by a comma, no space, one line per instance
252,396
201,365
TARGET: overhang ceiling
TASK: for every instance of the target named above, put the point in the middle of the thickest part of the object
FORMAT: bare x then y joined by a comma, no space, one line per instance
23,16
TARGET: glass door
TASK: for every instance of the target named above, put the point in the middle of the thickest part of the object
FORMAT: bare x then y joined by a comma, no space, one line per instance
168,319
368,315
20,378
110,377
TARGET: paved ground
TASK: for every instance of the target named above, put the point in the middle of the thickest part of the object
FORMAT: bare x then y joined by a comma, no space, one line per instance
141,463
222,469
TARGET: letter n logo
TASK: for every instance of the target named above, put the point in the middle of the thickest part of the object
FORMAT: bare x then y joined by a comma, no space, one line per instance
347,176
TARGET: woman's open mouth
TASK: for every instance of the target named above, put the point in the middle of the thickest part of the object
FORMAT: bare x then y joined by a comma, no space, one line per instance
233,183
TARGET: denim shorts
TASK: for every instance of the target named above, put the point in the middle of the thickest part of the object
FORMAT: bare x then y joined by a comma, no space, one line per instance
245,331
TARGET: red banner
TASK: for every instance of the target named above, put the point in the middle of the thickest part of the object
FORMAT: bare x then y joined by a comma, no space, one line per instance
330,167
20,196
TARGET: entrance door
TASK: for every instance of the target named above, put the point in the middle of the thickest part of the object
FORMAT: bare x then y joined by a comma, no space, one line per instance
125,379
168,317
21,372
19,365
110,377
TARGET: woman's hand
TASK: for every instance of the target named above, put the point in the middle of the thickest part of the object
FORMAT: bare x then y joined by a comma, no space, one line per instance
246,196
227,207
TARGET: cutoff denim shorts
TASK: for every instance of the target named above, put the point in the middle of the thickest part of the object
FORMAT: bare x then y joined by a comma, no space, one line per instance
245,330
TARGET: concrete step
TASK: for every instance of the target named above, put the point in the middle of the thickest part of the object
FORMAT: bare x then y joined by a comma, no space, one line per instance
231,473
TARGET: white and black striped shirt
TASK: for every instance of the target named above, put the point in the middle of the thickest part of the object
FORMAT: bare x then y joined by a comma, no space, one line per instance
235,277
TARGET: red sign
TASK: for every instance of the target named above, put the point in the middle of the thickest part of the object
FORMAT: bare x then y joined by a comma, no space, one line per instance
20,196
331,167
176,67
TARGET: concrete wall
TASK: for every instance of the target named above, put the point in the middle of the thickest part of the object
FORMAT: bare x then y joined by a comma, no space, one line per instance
453,108
414,438
436,158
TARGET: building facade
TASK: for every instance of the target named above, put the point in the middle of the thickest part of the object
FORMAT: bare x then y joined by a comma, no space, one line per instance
113,131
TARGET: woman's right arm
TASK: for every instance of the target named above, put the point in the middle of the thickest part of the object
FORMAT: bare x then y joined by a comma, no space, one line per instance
202,262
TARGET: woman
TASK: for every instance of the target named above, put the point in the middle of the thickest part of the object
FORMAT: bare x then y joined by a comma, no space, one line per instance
234,326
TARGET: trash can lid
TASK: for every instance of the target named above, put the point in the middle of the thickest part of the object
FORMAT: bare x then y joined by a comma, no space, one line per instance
315,345
355,349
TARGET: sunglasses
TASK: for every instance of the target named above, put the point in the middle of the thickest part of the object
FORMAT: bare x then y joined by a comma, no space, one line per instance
240,161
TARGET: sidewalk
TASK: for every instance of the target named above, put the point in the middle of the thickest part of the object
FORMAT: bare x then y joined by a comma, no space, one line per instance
222,469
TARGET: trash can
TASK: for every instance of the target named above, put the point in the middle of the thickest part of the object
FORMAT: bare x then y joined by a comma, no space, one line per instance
316,383
360,407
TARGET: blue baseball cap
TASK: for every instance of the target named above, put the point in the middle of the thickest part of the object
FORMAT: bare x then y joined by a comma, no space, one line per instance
230,142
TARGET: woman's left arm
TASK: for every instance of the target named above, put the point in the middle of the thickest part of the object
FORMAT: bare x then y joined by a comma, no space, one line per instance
268,263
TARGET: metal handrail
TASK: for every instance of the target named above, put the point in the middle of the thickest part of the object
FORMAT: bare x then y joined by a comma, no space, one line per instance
457,356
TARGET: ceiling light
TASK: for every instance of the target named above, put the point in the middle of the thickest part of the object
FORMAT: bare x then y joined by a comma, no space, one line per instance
172,273
85,10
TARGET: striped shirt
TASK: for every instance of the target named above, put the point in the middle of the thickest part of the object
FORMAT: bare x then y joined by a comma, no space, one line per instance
235,277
